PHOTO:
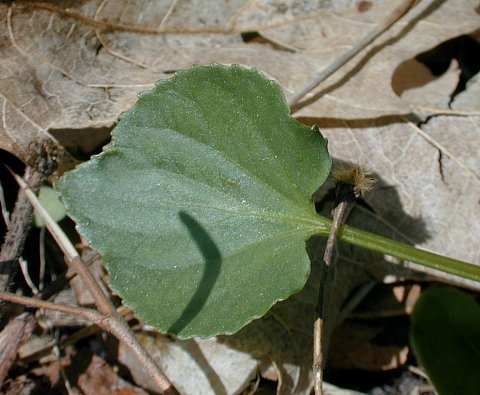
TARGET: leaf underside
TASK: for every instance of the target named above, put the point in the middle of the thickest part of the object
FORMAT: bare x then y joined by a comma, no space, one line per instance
201,204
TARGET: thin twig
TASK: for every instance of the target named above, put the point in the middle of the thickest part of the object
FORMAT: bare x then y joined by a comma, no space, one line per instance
66,381
81,334
21,327
318,357
104,304
346,56
5,213
111,321
41,272
352,182
89,314
26,275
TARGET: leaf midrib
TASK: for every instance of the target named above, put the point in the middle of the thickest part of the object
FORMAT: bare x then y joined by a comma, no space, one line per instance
265,214
235,165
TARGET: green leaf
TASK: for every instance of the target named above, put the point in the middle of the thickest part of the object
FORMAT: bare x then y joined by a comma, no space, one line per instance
50,201
445,336
201,204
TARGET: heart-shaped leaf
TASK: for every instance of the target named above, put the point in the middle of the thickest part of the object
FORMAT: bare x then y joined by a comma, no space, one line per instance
201,204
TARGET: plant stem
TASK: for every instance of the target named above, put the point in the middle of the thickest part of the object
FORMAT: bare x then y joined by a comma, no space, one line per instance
399,250
117,327
74,260
318,334
377,243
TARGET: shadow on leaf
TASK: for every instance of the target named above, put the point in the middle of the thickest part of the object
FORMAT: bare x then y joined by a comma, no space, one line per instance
213,260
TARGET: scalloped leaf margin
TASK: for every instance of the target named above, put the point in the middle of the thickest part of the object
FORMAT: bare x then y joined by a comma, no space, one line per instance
201,204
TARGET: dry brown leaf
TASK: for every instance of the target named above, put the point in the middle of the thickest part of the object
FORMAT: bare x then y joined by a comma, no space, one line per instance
99,378
363,88
79,66
469,99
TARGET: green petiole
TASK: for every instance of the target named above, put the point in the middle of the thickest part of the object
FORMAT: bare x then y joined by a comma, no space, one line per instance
399,250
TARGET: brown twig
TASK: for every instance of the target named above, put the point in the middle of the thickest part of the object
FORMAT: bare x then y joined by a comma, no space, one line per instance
111,320
318,357
19,330
346,56
104,304
81,334
89,314
111,324
352,182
